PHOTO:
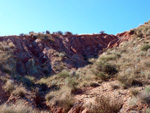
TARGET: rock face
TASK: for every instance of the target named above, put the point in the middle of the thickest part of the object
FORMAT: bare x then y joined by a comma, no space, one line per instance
43,56
122,37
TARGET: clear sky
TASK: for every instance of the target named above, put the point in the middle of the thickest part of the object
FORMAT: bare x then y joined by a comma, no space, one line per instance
76,16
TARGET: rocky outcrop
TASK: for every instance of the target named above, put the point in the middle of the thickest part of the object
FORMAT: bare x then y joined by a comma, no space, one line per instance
125,36
43,56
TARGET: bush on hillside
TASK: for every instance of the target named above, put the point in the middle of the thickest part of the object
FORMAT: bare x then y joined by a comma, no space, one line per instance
68,33
47,32
102,32
107,68
7,58
59,32
145,47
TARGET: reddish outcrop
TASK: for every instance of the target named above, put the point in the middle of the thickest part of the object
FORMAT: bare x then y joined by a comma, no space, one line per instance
122,37
42,56
78,108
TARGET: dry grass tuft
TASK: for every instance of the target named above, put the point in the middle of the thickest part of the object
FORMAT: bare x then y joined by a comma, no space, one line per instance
20,108
134,91
19,92
9,86
61,98
106,105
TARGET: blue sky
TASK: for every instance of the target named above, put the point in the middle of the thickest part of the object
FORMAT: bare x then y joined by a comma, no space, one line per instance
77,16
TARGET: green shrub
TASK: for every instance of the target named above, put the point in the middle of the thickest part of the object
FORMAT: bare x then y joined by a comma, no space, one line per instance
145,47
102,32
47,32
101,75
107,68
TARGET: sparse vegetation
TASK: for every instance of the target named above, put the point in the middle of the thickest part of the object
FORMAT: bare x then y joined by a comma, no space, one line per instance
16,109
7,60
19,109
128,64
109,57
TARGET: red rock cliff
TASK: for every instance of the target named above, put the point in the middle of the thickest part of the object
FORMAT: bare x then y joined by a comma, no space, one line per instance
44,55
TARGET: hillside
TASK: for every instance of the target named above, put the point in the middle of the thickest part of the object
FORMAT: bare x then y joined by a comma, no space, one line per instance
58,73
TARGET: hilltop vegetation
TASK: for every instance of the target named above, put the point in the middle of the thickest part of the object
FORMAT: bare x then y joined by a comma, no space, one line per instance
115,81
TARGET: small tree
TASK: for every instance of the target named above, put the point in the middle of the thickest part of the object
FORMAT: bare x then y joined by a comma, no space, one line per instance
47,32
21,34
60,32
102,32
68,33
31,32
